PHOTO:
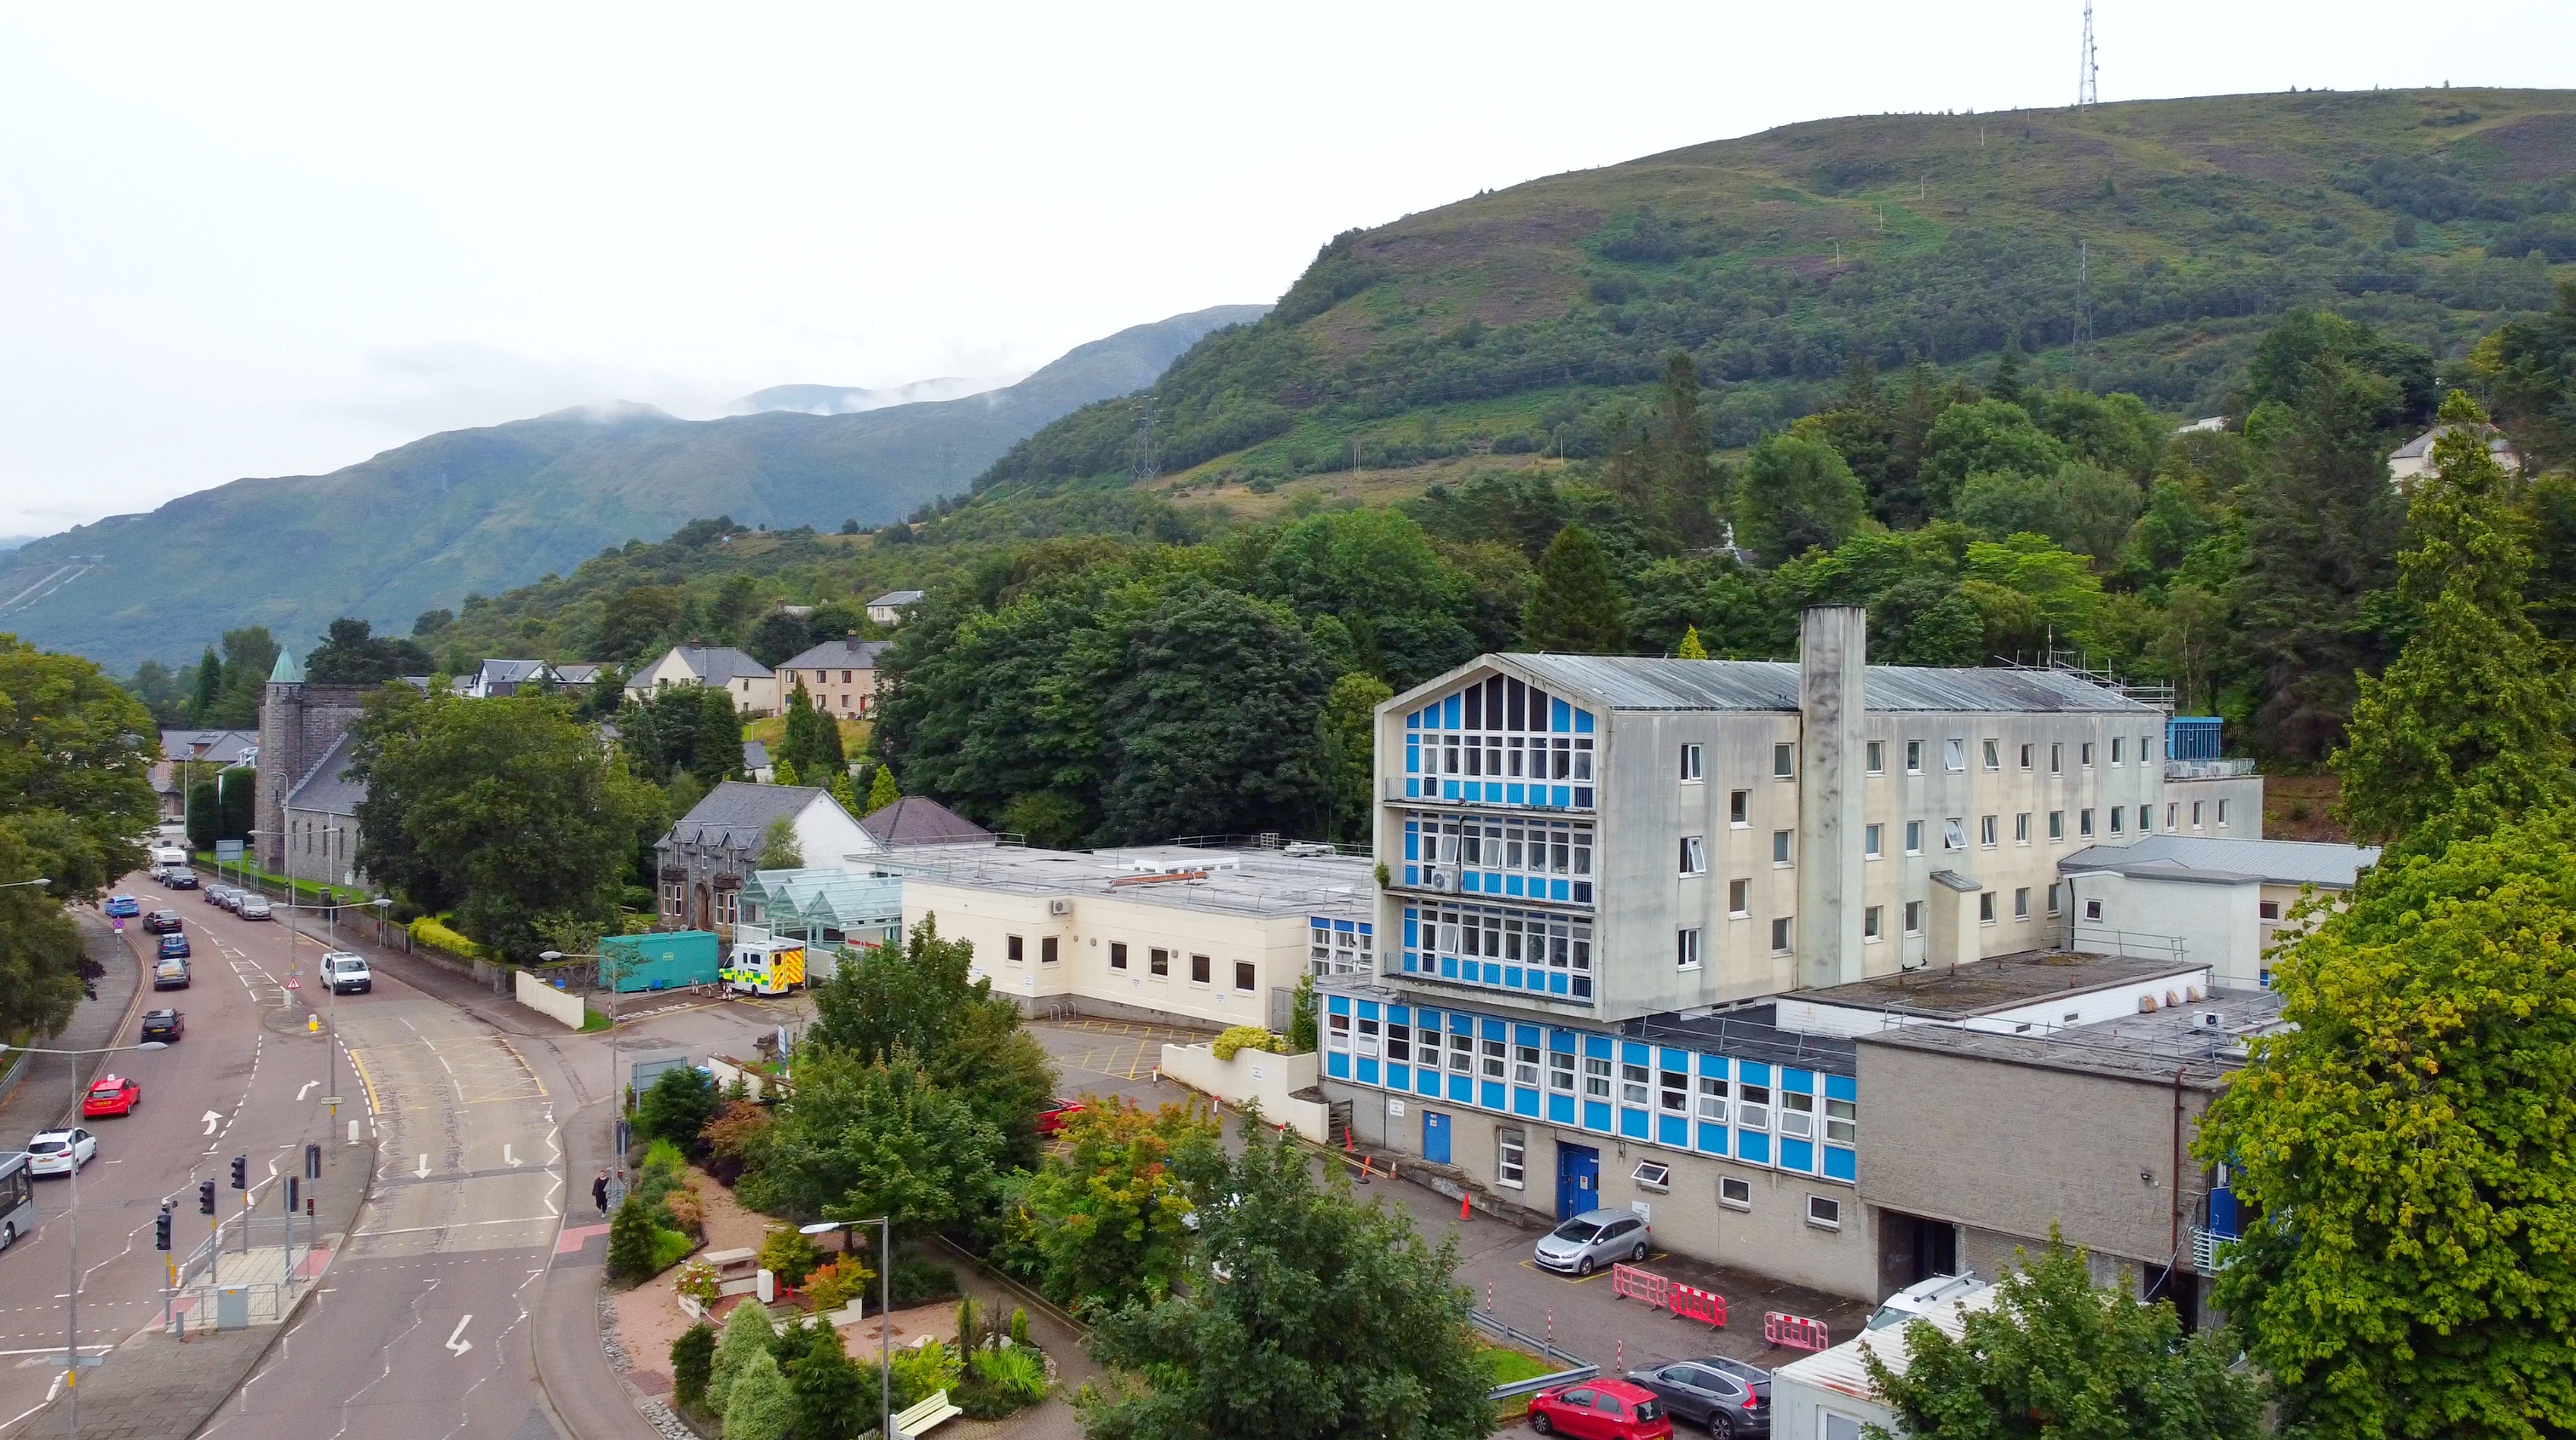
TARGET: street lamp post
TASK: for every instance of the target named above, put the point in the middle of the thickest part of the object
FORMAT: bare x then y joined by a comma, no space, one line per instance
885,1310
71,1320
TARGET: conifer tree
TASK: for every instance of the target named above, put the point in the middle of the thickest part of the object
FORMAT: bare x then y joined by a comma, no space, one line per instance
1577,607
882,791
1691,648
758,1405
747,1332
846,793
784,770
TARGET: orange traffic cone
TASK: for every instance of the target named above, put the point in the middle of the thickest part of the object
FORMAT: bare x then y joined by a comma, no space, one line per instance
1463,1202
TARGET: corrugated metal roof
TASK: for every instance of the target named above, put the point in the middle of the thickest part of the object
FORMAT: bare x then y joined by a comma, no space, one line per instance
2280,862
1627,682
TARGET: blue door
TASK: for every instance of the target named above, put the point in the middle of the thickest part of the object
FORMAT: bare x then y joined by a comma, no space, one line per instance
1578,1180
1435,1137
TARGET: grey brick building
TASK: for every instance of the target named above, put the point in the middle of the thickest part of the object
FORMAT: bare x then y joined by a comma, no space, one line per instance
299,724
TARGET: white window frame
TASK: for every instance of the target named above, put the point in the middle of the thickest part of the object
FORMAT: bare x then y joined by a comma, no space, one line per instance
1560,1077
1872,838
1636,1085
1694,855
1752,1113
2056,827
1783,849
1511,1158
1874,758
1691,765
2026,751
1739,898
1913,837
1824,1212
1913,757
1686,954
1784,934
1954,832
1784,761
1734,1192
1873,926
1671,1098
1842,1122
1712,1100
1798,1114
1954,755
2021,827
1653,1175
1596,1077
1989,831
1985,907
2021,903
1525,1063
1991,754
2084,824
2092,912
1913,917
1494,1056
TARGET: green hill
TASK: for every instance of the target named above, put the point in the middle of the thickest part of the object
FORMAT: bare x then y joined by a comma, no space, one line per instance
484,510
2175,229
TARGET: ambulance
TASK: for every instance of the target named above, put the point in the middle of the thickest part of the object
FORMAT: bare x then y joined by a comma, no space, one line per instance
764,964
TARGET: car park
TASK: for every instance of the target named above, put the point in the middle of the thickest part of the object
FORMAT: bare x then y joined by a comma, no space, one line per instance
1593,1239
122,907
1600,1410
111,1095
164,1025
1724,1396
344,972
170,974
174,947
56,1152
252,907
162,922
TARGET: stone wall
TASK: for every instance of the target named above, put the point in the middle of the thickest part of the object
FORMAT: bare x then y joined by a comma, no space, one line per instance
297,723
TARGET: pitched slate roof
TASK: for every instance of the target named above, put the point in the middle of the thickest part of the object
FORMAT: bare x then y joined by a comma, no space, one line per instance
896,597
842,654
579,672
325,788
739,812
1640,683
221,746
914,820
755,755
512,672
714,665
2278,862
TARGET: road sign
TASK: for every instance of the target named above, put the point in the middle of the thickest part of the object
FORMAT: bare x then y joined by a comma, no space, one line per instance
228,850
329,1100
294,984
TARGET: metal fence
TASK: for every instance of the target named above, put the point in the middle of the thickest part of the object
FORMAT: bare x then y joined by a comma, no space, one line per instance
1575,1367
229,1307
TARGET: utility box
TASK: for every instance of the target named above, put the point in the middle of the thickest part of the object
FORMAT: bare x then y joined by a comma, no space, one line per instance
660,961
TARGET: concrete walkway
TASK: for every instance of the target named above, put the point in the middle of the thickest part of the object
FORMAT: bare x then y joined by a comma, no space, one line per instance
48,1091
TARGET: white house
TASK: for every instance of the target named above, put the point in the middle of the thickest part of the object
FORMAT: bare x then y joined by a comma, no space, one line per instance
839,676
2415,457
887,609
715,848
754,686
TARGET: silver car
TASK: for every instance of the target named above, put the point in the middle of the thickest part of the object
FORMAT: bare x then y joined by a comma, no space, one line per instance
1596,1238
253,907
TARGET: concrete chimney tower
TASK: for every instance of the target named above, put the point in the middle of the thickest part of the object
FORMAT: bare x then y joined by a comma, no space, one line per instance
1833,643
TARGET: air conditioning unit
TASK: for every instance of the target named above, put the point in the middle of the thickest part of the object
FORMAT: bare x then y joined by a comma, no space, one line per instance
1059,906
2206,1020
1438,880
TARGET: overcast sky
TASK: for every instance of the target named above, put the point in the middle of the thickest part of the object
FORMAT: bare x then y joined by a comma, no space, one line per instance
254,240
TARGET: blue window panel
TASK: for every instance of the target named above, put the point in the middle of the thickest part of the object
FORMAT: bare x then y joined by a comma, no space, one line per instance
1753,1147
1512,886
1538,980
1525,1035
1412,719
1596,1115
1752,1072
1448,789
1560,716
1494,791
1462,1089
1428,1020
1673,1130
1412,757
1633,1053
1337,1005
1512,977
1368,1009
1797,1082
1493,972
1556,982
1712,1065
1449,713
1399,1014
1492,1097
1368,1071
1842,1087
1632,1123
1598,1047
1512,793
1427,1081
1674,1060
1412,874
1398,1077
1841,1164
1798,1155
1556,890
1497,1030
1337,1065
1712,1139
1448,968
1525,1101
1411,928
1411,962
1561,1041
1463,1024
1412,789
1471,881
1560,796
1582,722
1560,1109
1367,929
1412,841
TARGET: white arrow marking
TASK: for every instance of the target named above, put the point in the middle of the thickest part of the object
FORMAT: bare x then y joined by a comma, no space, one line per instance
307,1090
507,1158
213,1119
456,1343
423,1172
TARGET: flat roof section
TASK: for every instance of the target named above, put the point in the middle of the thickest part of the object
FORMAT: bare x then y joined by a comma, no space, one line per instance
1235,882
2005,982
2177,1040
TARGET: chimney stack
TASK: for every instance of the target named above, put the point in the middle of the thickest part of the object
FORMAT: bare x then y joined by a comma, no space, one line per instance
1833,645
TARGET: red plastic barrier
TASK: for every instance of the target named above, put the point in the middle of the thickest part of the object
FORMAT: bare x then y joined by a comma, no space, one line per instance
1795,1332
1687,1301
1692,1303
1630,1282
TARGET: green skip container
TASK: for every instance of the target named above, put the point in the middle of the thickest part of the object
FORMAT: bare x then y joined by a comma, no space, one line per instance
659,961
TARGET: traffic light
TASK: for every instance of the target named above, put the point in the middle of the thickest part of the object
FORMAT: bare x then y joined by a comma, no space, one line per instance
161,1229
241,1172
290,1194
205,1197
312,1162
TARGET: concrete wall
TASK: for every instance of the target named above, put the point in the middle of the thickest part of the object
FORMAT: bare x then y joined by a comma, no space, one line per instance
546,1000
1255,1076
1086,939
2012,1148
2213,923
2244,797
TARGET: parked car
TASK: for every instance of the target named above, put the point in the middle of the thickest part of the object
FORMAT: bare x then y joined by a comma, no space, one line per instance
55,1152
182,880
253,907
212,895
1593,1239
344,972
164,1025
170,974
123,907
174,947
234,895
1600,1410
1723,1396
162,922
1058,1111
111,1095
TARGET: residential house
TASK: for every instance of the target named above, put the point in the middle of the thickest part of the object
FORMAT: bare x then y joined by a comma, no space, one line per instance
197,755
496,678
756,763
889,608
2416,456
321,815
579,672
705,859
753,686
839,676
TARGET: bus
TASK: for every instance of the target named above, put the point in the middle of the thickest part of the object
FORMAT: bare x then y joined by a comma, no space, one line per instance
17,1191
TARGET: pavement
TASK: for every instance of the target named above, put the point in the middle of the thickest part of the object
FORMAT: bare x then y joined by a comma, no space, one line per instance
48,1090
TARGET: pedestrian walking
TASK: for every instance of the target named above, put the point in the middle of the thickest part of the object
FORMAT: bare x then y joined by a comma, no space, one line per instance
599,1192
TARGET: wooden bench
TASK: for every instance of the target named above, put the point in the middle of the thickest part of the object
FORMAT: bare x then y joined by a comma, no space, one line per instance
921,1418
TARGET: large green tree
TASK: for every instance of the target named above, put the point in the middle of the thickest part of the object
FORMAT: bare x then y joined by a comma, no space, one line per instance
1350,752
2527,368
1989,437
1213,727
2407,1147
2469,725
1576,606
1797,496
351,653
2056,1356
1102,1218
75,753
858,1138
1377,573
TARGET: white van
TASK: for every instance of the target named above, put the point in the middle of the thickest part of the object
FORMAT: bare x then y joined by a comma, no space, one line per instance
344,972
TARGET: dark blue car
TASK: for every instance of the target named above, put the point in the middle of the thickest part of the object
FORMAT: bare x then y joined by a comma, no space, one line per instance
174,947
123,907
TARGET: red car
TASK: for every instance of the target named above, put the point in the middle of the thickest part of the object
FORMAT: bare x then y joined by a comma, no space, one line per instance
112,1095
1052,1118
1600,1410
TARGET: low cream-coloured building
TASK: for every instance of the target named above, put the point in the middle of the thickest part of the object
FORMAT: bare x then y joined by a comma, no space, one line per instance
1201,937
839,676
754,686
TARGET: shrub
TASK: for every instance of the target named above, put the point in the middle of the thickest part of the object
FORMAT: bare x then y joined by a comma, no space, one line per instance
676,1106
1019,1326
759,1405
923,1371
427,931
788,1255
670,1247
918,1282
1017,1372
1247,1037
631,1243
837,1284
733,1136
698,1281
686,1211
693,1356
747,1332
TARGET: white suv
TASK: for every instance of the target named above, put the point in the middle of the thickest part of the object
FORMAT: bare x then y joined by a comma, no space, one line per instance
345,972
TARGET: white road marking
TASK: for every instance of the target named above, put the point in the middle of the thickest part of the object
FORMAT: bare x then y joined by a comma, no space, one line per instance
213,1118
507,1158
423,1171
307,1090
456,1344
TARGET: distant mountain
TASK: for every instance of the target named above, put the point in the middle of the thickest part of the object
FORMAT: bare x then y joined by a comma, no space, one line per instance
424,524
851,400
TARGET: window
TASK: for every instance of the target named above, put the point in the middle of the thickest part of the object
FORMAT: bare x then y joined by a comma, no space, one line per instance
1596,1077
1913,837
2173,814
2093,910
1159,962
1739,806
1672,1090
1837,1427
1632,1085
1954,833
1653,1175
1712,1099
1690,764
1986,831
1462,1053
1753,1107
1368,1036
2117,812
2056,824
1877,753
2021,828
1511,1159
1198,969
2268,909
2083,822
1012,948
1797,1115
2025,755
1117,954
1913,757
1686,948
1399,1042
1243,975
2222,814
1784,761
1525,1065
2084,754
1824,1212
1993,756
1869,841
2056,759
2021,903
1560,1071
1338,1031
1694,858
2117,746
1779,847
1869,925
1739,898
2195,814
1913,917
1046,950
2053,907
1735,1194
2146,748
2146,818
1780,936
1954,755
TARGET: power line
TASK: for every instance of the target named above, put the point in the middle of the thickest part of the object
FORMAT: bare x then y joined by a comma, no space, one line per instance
2088,72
